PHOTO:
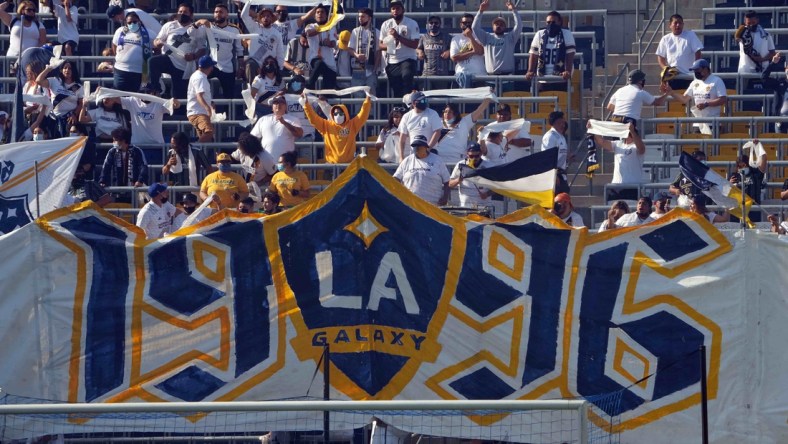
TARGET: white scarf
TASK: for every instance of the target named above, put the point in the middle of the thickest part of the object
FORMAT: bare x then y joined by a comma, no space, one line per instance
198,211
106,93
191,66
610,129
192,163
29,98
756,151
480,93
505,127
342,92
297,3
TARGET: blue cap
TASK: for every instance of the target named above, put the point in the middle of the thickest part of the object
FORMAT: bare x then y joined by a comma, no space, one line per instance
700,63
416,96
206,61
156,189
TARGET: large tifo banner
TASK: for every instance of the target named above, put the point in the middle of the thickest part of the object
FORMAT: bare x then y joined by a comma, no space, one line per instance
414,304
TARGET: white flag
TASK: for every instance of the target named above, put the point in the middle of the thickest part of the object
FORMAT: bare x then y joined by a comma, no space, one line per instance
57,160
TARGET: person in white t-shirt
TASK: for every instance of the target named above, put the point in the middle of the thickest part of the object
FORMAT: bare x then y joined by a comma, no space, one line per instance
132,45
289,28
65,90
493,149
199,108
564,210
424,173
146,119
555,138
626,104
707,92
452,147
67,30
467,53
267,83
419,121
269,42
756,46
388,139
278,131
157,216
628,163
25,29
182,43
661,205
552,53
399,38
107,116
679,48
642,214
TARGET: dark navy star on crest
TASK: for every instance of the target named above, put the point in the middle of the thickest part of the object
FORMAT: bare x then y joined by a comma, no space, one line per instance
14,213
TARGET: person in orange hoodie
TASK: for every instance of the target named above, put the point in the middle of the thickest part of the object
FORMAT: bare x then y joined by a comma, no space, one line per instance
339,132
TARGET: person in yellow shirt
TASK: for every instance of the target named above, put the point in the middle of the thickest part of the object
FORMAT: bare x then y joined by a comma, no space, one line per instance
230,187
340,130
290,184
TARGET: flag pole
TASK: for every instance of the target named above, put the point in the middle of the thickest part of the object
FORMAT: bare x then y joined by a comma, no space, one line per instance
744,216
38,194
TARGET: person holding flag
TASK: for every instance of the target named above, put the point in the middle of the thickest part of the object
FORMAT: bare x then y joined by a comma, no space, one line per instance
471,195
751,173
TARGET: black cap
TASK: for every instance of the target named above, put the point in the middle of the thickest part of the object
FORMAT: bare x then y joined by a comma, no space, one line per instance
419,141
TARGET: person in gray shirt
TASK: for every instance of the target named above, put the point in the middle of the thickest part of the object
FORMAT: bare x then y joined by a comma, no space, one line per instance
433,50
498,45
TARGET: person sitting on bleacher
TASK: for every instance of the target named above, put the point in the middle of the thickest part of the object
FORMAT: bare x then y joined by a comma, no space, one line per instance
682,187
25,29
661,206
642,214
628,166
498,45
679,48
707,91
467,54
388,139
552,53
267,83
626,104
564,210
181,44
617,209
132,45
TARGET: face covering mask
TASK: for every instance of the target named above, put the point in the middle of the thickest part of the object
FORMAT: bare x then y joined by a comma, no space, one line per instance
280,167
553,29
189,210
73,134
38,136
115,146
270,67
225,167
698,75
463,26
282,16
421,105
295,86
704,162
753,28
434,28
220,20
27,18
475,162
745,171
164,199
134,27
184,19
340,119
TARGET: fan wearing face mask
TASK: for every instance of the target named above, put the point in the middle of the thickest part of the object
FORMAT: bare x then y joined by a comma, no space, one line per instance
552,52
707,91
339,130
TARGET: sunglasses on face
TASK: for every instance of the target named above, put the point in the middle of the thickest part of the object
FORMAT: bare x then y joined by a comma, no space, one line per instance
338,113
474,156
30,10
466,23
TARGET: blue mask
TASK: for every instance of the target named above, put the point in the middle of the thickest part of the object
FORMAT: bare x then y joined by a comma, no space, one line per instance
296,86
280,167
225,167
134,27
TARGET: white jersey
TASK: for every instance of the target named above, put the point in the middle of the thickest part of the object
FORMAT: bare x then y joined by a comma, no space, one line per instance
763,44
365,41
496,154
628,164
551,50
198,83
228,48
454,144
703,91
187,39
424,177
106,121
629,100
156,220
552,139
274,136
67,29
632,220
264,84
265,167
146,118
514,152
424,123
129,54
288,29
407,28
472,65
65,98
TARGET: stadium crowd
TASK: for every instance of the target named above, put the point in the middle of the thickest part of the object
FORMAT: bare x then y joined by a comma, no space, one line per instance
273,56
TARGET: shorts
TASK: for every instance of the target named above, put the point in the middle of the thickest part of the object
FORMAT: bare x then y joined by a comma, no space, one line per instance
201,123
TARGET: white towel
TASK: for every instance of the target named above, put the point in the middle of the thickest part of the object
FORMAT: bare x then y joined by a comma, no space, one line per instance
611,129
342,92
756,151
106,93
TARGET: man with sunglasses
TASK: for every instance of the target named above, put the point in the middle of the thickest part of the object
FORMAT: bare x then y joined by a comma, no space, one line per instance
471,195
467,54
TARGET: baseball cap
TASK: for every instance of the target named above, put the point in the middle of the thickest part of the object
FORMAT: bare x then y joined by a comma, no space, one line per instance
205,61
189,198
499,19
223,157
416,96
266,9
156,189
3,114
700,63
114,10
419,141
396,3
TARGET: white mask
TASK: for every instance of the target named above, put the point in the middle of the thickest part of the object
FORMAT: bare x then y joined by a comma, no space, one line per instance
38,136
340,119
